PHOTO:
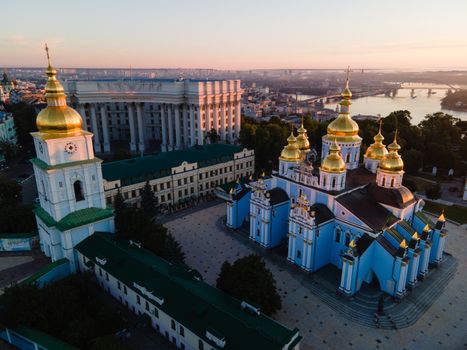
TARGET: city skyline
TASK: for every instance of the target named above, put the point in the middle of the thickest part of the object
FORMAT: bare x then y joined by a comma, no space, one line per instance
237,35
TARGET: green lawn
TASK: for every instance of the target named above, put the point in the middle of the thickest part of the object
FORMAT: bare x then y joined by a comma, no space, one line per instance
455,212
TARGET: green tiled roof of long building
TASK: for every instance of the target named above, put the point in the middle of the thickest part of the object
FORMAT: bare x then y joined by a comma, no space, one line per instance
43,339
186,298
74,219
150,167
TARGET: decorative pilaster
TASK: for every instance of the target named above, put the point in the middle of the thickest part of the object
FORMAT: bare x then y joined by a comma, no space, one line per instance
238,118
178,134
192,125
230,122
82,112
139,115
95,129
164,128
200,126
171,128
185,124
222,133
131,121
105,128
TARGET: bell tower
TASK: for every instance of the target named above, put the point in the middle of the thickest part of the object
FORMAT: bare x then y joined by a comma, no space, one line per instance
68,176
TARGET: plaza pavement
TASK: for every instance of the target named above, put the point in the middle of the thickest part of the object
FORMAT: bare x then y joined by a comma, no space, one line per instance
444,326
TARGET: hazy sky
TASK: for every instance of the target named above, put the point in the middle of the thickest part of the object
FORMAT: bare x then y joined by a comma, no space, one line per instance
238,34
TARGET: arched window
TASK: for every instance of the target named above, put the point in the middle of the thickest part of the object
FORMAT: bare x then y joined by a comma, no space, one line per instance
299,254
324,181
78,188
392,182
383,182
338,235
348,158
333,182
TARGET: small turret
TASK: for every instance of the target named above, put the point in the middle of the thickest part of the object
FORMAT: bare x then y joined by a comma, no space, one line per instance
391,167
376,152
332,170
290,155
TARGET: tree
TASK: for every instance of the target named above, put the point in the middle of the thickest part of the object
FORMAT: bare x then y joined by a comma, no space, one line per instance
132,223
8,148
213,136
249,279
433,192
121,154
119,203
148,200
410,184
222,281
413,160
25,123
173,250
66,309
10,191
17,219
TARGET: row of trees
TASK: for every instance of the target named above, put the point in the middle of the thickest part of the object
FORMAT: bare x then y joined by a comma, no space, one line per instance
67,310
438,140
140,225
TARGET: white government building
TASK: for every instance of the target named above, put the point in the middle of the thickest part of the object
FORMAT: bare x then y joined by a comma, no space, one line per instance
177,113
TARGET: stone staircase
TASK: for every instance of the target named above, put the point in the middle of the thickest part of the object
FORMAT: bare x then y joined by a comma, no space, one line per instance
362,307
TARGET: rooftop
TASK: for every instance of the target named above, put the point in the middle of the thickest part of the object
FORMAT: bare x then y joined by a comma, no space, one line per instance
189,300
74,219
141,169
362,204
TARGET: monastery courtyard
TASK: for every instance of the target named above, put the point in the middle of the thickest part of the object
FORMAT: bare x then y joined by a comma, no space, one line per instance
207,244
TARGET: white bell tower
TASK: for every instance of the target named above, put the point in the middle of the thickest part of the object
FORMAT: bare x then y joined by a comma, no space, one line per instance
68,177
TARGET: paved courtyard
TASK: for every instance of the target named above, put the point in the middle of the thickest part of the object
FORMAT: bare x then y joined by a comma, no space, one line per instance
207,245
14,267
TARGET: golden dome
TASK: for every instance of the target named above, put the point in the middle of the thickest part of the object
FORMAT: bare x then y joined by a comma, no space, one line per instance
344,128
333,163
377,150
392,162
57,118
291,153
442,218
302,139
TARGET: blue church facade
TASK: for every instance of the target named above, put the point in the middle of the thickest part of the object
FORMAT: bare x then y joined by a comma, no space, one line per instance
357,218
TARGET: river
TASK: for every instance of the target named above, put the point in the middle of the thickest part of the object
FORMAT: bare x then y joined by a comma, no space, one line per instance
419,106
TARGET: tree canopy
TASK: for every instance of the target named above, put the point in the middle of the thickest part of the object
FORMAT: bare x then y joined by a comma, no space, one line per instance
439,140
14,217
249,279
24,116
135,224
66,309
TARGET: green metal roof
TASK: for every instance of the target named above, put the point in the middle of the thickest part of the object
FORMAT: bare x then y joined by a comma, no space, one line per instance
189,300
141,169
74,219
43,165
43,339
44,270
